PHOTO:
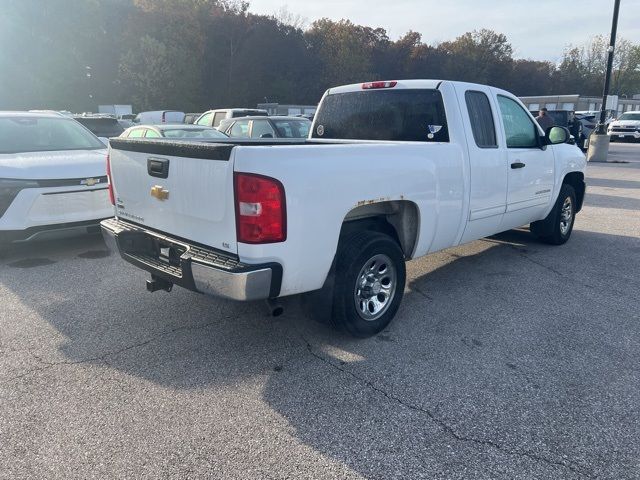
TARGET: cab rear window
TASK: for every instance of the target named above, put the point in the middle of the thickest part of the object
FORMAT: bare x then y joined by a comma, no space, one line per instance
413,115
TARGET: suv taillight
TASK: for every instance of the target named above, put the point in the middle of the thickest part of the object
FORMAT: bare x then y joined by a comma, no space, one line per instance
260,209
110,183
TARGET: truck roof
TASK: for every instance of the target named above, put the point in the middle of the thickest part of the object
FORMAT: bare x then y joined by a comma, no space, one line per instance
401,84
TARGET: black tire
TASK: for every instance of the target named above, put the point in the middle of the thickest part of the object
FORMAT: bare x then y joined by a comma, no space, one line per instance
356,255
556,228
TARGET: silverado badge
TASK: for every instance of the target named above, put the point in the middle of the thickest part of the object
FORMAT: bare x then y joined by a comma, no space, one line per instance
159,192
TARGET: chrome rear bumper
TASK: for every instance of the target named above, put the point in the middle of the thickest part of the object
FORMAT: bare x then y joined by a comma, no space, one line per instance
197,268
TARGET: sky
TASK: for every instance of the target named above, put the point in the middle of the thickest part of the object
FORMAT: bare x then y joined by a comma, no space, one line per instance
537,29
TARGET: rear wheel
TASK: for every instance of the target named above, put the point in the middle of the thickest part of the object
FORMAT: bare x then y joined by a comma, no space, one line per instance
557,227
369,283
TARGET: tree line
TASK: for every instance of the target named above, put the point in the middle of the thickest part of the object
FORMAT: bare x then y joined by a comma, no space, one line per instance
193,55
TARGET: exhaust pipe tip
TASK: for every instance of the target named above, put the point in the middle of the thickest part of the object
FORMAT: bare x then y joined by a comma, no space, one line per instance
275,307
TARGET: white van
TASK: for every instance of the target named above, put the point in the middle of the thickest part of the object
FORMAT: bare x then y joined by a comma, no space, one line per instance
212,118
159,116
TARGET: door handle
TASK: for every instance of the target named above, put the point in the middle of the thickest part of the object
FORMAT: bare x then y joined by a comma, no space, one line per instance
515,165
158,167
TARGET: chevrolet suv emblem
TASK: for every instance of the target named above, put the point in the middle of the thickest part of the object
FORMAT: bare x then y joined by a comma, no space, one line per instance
159,192
90,182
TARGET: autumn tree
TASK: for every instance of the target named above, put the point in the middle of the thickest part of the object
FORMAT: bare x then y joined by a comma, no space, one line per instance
481,56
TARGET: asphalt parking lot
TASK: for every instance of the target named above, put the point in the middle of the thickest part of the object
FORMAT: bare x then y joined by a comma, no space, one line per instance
508,359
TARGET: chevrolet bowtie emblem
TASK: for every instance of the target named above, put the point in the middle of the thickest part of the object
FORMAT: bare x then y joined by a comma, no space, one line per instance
159,192
90,182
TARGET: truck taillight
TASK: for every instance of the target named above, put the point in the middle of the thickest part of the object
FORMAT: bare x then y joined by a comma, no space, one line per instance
260,209
112,198
373,85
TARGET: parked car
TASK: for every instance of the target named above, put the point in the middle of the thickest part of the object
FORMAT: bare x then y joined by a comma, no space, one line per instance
451,162
266,127
172,131
596,115
212,118
52,177
125,123
567,119
103,126
190,118
625,127
159,116
589,123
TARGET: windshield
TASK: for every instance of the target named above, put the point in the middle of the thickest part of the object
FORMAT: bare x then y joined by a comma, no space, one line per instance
193,133
396,115
34,134
630,116
292,128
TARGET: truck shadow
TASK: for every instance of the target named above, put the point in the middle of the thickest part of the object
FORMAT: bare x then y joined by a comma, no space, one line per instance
500,341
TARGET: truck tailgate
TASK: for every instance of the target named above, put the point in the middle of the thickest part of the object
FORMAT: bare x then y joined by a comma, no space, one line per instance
182,189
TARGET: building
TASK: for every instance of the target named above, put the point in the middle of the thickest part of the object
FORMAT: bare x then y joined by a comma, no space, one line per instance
281,109
615,104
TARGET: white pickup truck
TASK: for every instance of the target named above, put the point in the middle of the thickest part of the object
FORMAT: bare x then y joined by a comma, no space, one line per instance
391,171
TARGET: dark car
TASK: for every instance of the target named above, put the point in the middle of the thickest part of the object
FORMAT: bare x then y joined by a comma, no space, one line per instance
567,119
101,126
266,127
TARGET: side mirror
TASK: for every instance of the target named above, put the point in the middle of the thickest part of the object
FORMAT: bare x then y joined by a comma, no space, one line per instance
557,135
266,135
104,140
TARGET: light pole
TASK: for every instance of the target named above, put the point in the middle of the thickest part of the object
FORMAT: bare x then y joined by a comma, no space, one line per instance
88,75
599,140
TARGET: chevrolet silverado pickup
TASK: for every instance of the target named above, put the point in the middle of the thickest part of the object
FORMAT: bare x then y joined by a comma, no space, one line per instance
391,171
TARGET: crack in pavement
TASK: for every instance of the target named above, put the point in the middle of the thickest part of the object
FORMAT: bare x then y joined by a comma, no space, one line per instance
103,357
574,467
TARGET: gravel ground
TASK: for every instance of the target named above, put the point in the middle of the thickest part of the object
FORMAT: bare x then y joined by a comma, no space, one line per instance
508,359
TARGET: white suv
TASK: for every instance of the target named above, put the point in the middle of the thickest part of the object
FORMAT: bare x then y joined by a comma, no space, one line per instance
626,126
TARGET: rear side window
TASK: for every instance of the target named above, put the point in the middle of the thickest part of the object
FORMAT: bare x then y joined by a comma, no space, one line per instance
137,133
218,117
152,134
396,115
240,129
481,117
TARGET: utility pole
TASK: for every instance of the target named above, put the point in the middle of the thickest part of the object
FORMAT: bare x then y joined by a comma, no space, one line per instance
599,140
607,78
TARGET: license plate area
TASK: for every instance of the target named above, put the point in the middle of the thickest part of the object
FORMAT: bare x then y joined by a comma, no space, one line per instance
158,252
169,253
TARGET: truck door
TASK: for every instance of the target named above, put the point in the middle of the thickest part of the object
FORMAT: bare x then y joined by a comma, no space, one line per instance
488,175
530,165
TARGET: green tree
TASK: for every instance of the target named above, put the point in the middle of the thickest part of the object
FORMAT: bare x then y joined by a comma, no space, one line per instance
345,52
481,56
